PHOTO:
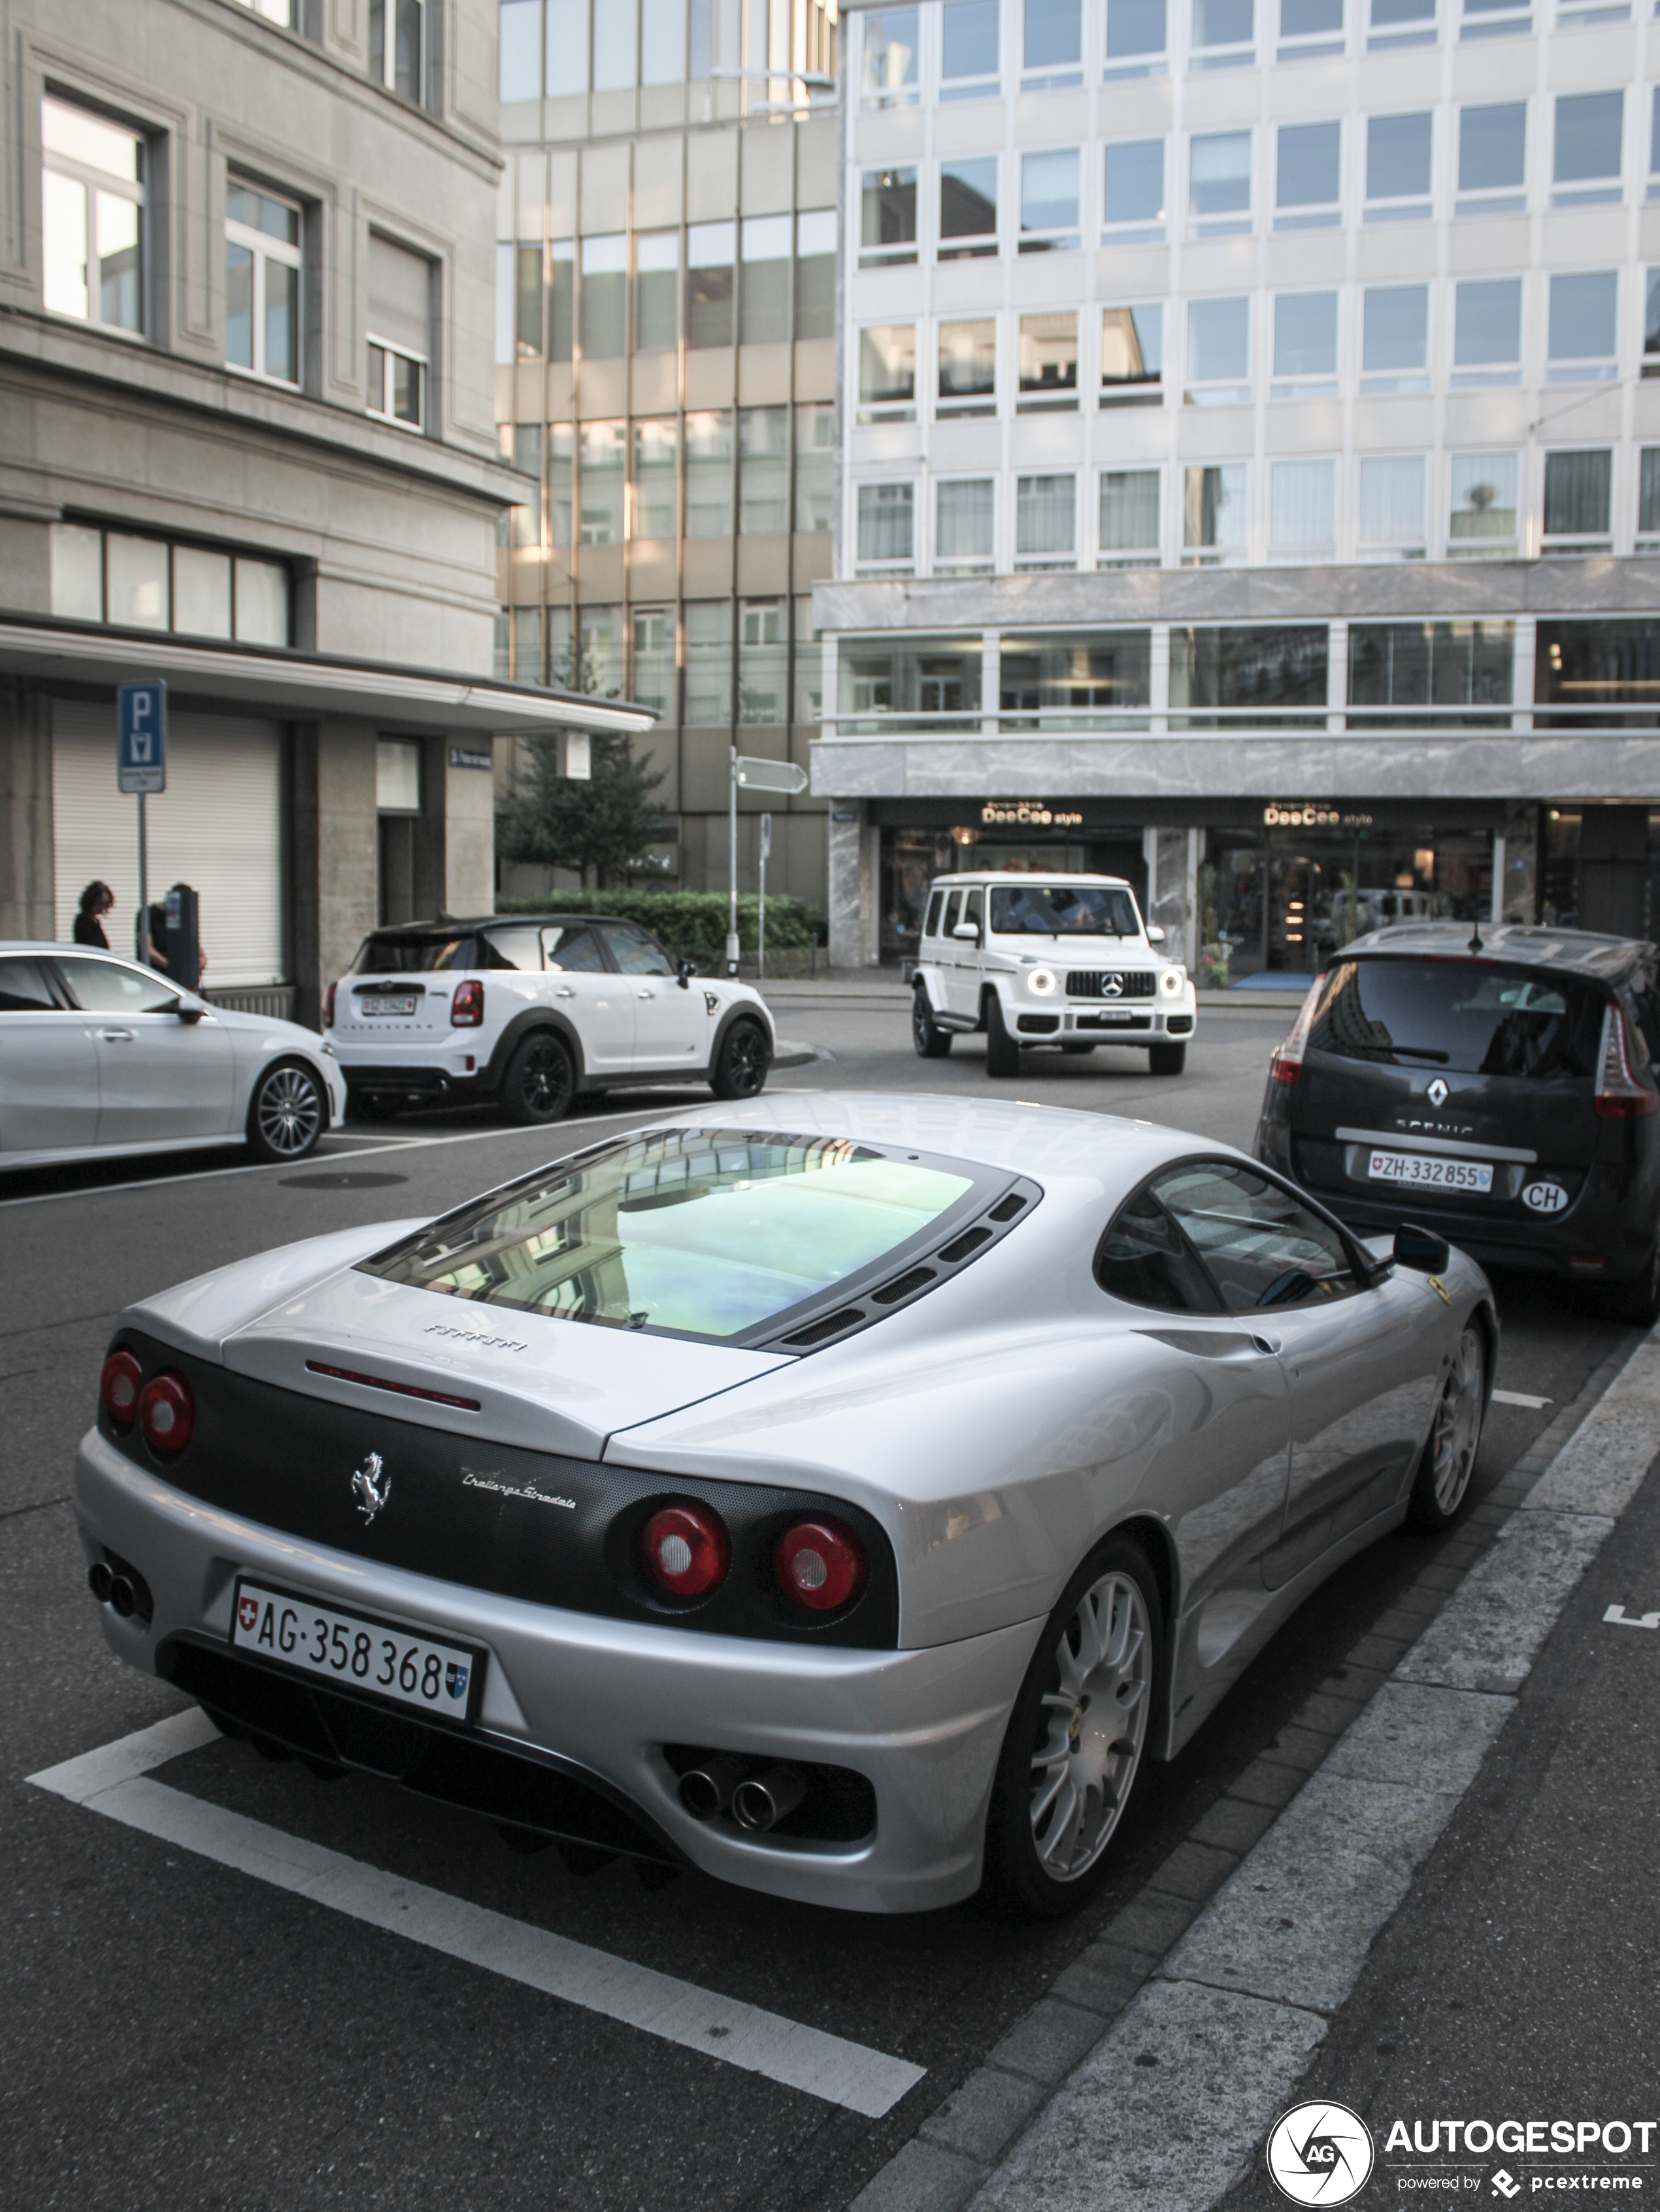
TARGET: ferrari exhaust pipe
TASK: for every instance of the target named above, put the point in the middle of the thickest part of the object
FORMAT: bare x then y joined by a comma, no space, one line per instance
99,1581
707,1789
761,1801
123,1596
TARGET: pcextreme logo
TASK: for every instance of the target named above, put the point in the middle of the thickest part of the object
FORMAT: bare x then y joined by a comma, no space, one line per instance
1320,2153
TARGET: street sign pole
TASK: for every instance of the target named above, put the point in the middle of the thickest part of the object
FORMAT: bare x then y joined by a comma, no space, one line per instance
143,890
732,867
760,933
141,767
755,775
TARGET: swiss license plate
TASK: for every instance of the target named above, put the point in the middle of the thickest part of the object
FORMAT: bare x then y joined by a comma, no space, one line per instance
386,1005
1440,1175
359,1653
1111,1017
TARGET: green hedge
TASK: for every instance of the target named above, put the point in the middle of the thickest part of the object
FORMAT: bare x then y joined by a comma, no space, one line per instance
692,925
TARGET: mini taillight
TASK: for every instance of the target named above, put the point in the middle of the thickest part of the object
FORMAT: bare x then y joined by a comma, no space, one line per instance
1619,1096
119,1387
820,1563
328,1007
685,1549
467,1006
167,1414
1288,1063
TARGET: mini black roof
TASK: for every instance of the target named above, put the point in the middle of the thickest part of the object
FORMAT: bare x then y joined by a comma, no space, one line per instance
1582,950
458,925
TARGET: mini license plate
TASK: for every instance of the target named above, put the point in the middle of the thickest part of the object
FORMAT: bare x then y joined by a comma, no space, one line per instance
1440,1175
359,1653
386,1005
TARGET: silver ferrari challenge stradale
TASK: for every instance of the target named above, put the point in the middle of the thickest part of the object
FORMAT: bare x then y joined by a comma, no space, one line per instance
843,1495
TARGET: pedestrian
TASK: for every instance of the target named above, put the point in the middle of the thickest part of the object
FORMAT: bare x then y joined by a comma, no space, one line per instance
96,901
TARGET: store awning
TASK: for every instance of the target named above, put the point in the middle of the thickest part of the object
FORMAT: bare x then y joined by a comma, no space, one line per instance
300,686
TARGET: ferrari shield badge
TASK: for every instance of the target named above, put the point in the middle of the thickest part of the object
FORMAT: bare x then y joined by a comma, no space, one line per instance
1440,1289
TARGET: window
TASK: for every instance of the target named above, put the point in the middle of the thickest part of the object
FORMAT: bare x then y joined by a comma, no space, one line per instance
656,289
1045,522
274,11
1487,333
602,461
605,297
1648,499
809,663
1213,515
1585,168
889,76
968,209
1483,517
887,374
93,184
1049,201
763,661
1579,491
519,52
1391,520
709,661
1218,353
1219,183
1495,19
562,297
1049,362
968,368
1582,325
1654,146
763,306
815,273
709,474
1052,49
1132,202
1062,673
1304,346
663,42
917,675
1144,1260
397,47
1302,511
656,443
1492,154
763,471
1132,356
1136,38
1651,324
709,249
1309,28
815,470
887,528
615,49
1223,31
968,49
1395,338
148,583
1130,535
652,682
1307,181
964,511
1258,1245
567,50
887,228
561,513
1398,167
1247,666
1452,663
400,322
1403,23
261,283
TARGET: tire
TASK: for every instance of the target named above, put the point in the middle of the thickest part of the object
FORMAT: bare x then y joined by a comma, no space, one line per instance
540,1081
932,1042
1076,1737
1638,1302
1166,1059
741,1065
1442,1484
1002,1050
288,1112
374,1105
1077,1045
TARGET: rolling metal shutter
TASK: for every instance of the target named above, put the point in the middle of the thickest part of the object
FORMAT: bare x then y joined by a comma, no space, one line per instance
218,825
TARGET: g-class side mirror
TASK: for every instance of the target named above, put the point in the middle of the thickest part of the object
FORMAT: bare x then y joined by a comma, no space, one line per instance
1155,935
1421,1248
968,931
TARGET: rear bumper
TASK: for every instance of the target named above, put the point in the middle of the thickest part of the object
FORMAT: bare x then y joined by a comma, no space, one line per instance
447,1077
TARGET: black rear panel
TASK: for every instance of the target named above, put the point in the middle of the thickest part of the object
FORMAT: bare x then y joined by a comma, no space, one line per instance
530,1525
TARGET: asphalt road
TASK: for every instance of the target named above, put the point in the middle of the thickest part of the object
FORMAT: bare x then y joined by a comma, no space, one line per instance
179,2034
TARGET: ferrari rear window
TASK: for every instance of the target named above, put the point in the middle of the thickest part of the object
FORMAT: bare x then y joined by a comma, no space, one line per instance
1471,1016
699,1232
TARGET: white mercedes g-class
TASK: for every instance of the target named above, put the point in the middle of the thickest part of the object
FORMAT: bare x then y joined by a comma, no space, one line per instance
1050,961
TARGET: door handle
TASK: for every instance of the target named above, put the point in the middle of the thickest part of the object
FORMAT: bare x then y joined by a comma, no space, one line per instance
115,1036
564,992
1265,1344
645,995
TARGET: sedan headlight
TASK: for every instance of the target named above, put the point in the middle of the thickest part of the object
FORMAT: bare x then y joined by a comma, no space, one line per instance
1170,980
1042,982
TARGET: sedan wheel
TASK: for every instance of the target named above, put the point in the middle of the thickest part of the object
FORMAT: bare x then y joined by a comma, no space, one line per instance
287,1114
1449,1461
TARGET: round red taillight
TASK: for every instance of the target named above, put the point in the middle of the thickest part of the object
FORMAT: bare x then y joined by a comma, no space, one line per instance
685,1549
819,1564
119,1387
167,1414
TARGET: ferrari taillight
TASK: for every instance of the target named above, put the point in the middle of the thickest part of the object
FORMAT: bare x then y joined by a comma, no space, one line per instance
119,1387
167,1414
685,1549
820,1564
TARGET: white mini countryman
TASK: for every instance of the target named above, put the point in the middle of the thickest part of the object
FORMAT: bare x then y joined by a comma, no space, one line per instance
1058,961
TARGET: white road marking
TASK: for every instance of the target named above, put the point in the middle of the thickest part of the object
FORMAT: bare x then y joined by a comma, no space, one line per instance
113,1780
1521,1398
1621,1618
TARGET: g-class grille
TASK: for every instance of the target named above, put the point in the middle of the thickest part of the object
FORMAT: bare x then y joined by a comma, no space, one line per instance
1110,984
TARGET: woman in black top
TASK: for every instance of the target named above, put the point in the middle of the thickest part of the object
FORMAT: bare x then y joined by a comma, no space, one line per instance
96,901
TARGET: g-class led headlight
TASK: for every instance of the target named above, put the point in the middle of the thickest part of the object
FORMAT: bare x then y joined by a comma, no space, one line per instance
1170,980
1042,982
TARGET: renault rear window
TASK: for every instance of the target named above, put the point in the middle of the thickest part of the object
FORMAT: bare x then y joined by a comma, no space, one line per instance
415,955
711,1233
1473,1017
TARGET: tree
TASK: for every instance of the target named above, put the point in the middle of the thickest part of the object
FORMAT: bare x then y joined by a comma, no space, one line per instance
553,821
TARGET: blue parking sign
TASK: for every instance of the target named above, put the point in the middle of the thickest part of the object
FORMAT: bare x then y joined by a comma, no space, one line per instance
142,719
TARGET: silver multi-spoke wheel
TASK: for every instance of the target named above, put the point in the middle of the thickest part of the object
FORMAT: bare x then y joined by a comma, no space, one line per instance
288,1114
1456,1436
1096,1722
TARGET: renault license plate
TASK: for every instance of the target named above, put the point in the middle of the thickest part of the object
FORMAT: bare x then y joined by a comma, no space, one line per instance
356,1651
1418,1170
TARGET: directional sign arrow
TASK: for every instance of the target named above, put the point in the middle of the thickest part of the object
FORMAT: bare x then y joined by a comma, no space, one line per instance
771,775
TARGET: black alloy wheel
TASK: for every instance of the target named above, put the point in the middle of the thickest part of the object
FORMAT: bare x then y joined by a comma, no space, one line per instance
540,1081
1166,1059
1002,1050
932,1042
741,1065
288,1113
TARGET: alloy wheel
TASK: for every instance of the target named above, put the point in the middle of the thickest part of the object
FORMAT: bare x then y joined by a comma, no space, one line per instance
1095,1723
746,1062
544,1083
290,1112
1457,1426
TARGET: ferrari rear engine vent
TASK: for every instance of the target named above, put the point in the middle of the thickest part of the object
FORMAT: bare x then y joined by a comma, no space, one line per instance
1007,1208
819,1332
960,1247
794,1800
916,1278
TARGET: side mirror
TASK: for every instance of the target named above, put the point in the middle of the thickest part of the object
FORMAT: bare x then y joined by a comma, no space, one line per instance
189,1009
684,970
968,931
1421,1248
1155,935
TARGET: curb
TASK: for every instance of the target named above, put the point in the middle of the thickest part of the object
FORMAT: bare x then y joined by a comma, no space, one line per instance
1157,2061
